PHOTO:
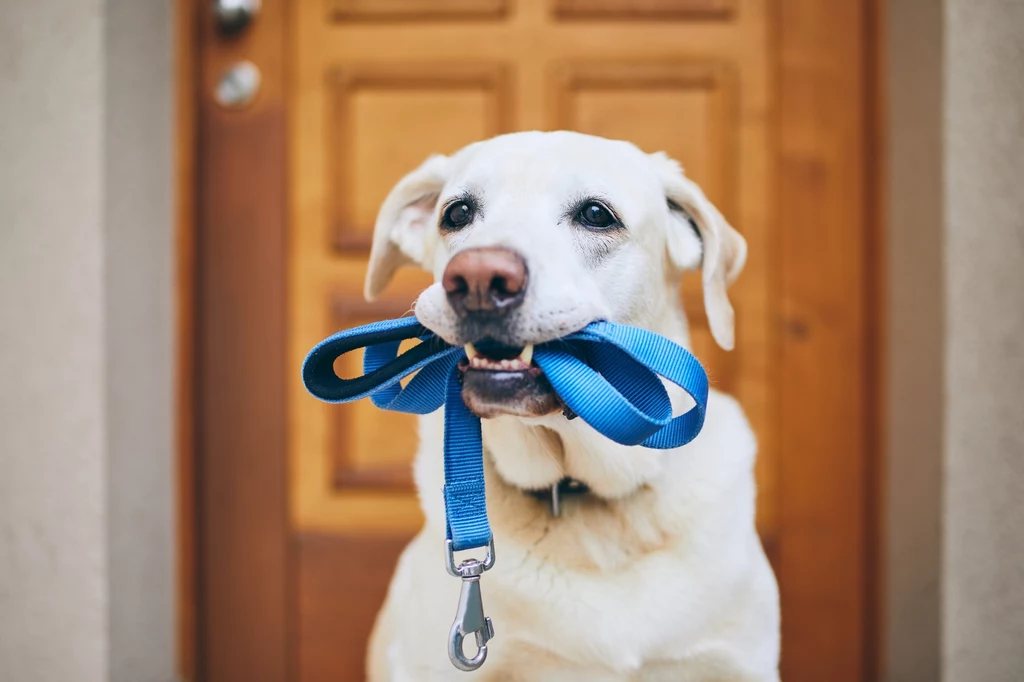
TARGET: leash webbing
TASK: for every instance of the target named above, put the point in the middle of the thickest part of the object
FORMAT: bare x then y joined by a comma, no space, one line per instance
606,373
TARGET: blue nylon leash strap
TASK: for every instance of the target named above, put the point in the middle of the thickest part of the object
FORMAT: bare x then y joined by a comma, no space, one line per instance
606,373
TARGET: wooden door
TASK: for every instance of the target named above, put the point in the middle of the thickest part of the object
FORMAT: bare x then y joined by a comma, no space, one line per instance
303,507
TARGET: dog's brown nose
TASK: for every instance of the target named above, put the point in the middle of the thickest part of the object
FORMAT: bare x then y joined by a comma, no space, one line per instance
485,281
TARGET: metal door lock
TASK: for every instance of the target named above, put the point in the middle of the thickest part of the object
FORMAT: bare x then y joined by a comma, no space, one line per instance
234,15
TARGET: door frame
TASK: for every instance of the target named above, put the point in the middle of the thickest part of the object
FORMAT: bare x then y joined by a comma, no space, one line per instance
233,619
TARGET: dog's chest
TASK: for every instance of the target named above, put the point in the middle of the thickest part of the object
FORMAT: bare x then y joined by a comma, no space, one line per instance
612,620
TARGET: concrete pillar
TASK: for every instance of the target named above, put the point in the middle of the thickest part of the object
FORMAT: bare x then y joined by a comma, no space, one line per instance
86,532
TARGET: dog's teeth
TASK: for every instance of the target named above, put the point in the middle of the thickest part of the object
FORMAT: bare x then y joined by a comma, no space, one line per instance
478,361
527,355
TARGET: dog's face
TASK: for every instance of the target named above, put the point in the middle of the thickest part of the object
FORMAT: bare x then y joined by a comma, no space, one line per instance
531,236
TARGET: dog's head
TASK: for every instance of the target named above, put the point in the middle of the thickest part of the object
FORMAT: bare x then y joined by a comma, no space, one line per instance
531,236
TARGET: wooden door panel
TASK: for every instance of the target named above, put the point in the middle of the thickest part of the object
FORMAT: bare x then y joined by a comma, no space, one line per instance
358,92
643,9
385,120
242,367
340,586
391,10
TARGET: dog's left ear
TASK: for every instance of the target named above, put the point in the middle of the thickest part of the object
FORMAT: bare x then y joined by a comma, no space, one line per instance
715,245
403,233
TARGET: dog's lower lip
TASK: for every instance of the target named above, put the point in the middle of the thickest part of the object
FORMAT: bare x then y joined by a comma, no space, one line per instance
523,392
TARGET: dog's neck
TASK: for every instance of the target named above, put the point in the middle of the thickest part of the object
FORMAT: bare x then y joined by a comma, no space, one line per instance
619,520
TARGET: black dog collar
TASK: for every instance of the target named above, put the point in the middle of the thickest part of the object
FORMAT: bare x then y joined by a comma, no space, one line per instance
566,486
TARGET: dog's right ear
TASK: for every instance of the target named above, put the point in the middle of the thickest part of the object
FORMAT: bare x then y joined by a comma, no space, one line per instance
703,237
404,232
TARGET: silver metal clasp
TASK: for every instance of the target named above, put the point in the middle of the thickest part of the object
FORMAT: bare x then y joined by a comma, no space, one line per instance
469,618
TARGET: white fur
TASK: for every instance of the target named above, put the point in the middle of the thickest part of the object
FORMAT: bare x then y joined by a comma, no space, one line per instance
659,575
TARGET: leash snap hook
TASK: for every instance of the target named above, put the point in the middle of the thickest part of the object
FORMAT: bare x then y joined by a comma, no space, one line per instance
469,617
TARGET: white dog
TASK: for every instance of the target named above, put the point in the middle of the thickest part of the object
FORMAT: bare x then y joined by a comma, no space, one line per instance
656,572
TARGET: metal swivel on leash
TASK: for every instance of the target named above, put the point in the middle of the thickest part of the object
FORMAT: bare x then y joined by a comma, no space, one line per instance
469,618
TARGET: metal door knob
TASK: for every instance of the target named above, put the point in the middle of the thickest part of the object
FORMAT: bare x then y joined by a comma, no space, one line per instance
238,85
234,15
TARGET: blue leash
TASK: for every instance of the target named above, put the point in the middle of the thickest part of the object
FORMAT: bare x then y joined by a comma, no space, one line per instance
606,373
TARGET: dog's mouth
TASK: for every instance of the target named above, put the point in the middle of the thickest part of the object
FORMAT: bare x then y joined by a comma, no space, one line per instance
501,379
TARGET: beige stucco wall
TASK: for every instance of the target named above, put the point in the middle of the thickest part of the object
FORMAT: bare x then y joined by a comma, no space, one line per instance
954,564
86,536
983,519
53,559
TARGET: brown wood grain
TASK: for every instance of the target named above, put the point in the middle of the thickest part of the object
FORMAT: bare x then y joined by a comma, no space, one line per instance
240,362
350,234
644,9
392,10
185,143
340,590
825,346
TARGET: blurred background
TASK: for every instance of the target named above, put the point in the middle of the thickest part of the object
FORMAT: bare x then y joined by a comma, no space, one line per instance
187,191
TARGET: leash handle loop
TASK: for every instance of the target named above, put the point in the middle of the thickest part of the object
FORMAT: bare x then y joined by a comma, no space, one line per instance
435,383
619,393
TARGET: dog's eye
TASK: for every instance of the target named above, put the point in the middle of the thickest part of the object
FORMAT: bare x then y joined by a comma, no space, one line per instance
596,215
457,215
